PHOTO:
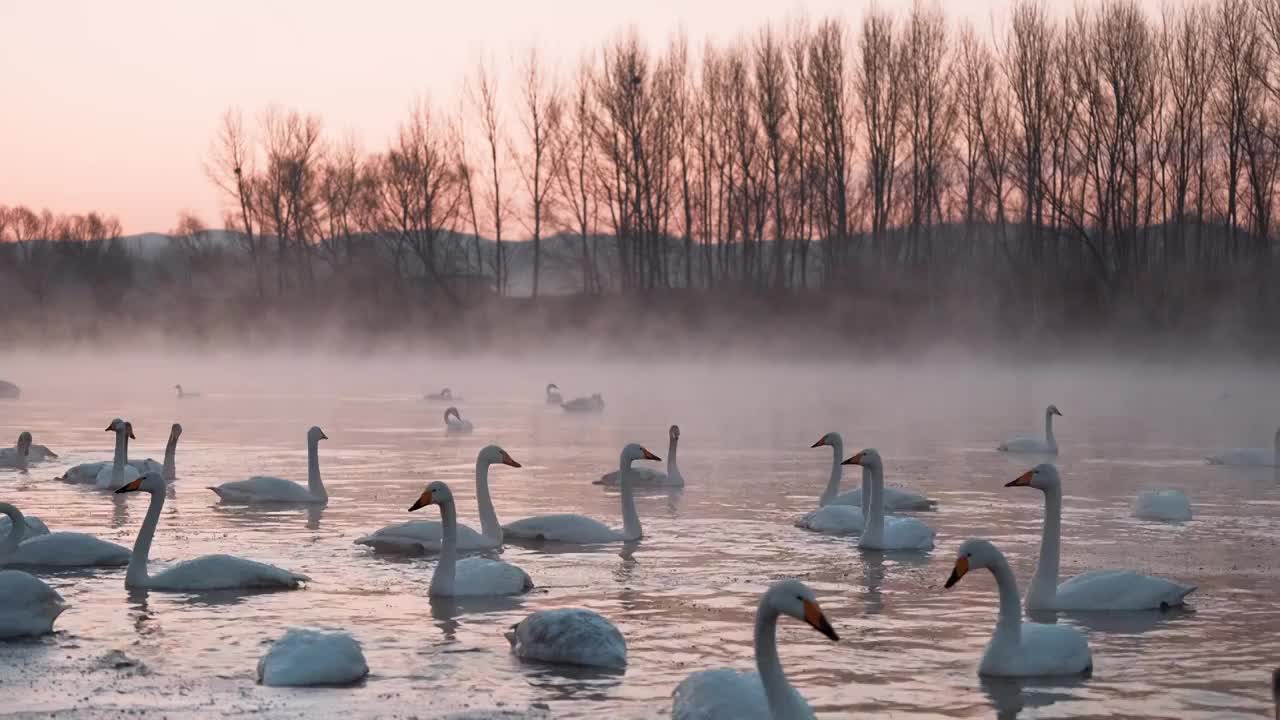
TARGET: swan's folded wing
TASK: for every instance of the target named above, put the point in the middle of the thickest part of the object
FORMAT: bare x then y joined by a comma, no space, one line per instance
1119,590
904,533
263,489
224,572
720,695
67,549
834,520
306,657
1054,650
483,577
572,636
566,528
84,473
423,536
1171,505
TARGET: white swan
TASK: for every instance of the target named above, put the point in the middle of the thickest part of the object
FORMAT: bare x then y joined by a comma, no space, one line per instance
185,394
1164,505
833,519
1032,444
886,532
28,606
595,403
454,424
445,395
553,395
569,636
427,535
469,577
1096,590
582,530
1019,649
765,694
35,526
1255,457
648,477
87,473
209,572
59,549
19,455
263,490
306,657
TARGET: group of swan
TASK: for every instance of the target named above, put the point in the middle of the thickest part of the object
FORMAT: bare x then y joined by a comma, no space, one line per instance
120,470
846,514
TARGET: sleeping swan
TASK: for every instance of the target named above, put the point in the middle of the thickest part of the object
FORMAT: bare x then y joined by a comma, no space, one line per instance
765,694
262,489
453,422
209,572
1032,444
473,576
1019,649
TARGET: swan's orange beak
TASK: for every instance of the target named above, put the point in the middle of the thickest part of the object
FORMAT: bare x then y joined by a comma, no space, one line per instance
855,460
423,500
821,441
1023,480
649,456
134,486
508,460
813,615
962,567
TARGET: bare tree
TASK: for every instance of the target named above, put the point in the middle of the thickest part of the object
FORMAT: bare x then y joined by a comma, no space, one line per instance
484,100
540,117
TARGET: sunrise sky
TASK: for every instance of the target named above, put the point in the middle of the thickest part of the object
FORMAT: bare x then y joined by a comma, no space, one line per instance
111,106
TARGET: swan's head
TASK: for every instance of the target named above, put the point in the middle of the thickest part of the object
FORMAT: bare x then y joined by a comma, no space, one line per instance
674,432
1053,410
974,553
794,598
552,387
494,455
175,431
635,451
150,481
315,434
122,426
437,493
446,393
1041,477
831,439
867,458
451,411
24,443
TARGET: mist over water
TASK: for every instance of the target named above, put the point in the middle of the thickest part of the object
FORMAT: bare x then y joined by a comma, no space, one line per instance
685,597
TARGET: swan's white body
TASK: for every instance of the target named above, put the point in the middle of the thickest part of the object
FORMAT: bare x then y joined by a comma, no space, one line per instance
454,424
1163,505
764,694
1251,457
426,536
595,403
1019,649
28,606
569,636
887,532
836,519
269,490
1032,444
582,530
1096,590
553,395
643,477
473,576
54,550
210,572
311,657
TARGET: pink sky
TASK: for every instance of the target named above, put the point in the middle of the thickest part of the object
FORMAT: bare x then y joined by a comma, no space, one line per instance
111,106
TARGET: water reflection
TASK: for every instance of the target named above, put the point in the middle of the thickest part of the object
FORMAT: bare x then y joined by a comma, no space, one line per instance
1010,696
1129,622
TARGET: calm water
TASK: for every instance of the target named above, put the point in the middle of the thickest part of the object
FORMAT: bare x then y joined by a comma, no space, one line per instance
685,599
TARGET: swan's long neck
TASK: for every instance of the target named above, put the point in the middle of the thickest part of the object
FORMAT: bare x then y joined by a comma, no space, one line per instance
442,579
1044,584
837,472
136,576
16,532
1048,430
313,470
672,470
1009,622
170,466
120,458
489,524
873,506
776,687
630,518
20,457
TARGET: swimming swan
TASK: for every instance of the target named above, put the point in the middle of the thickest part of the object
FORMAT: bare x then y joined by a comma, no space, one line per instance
1256,457
445,395
453,422
1019,649
553,395
24,452
1096,590
209,572
19,548
830,518
185,394
1032,444
569,636
305,657
426,535
582,530
726,694
1162,505
473,576
887,532
28,606
644,477
109,479
263,490
592,404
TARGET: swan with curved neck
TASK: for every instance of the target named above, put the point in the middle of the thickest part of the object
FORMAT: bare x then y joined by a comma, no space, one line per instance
1031,444
209,572
1019,649
264,490
884,532
553,395
648,477
55,550
582,530
1096,590
765,694
88,473
830,517
453,422
427,535
1255,457
473,576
